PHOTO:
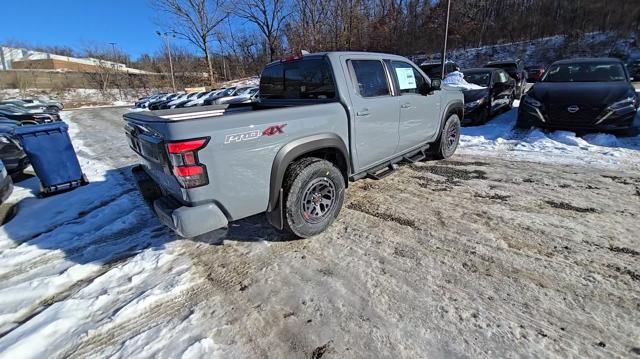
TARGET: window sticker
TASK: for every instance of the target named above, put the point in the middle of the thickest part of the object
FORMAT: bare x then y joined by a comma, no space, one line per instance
406,78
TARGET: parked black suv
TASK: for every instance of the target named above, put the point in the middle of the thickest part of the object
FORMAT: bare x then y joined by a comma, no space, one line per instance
515,69
496,96
581,94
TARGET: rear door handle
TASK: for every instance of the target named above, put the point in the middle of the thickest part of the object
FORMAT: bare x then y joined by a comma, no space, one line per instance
363,113
406,105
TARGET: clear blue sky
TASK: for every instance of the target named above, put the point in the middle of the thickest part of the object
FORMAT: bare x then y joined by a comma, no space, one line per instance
77,23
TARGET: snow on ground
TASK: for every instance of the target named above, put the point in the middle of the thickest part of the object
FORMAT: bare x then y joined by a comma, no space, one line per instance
87,260
499,138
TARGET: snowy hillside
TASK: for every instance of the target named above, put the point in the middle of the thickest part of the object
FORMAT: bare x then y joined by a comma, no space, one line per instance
546,50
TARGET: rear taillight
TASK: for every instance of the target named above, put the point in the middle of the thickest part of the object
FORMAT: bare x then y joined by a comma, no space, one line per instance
185,165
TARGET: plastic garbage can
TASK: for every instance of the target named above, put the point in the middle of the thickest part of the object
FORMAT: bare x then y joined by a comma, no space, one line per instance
52,156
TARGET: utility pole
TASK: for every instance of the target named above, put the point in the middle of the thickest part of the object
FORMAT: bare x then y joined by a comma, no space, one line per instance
165,36
446,36
113,47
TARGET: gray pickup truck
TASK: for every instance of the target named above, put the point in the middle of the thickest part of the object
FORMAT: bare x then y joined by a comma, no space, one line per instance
323,120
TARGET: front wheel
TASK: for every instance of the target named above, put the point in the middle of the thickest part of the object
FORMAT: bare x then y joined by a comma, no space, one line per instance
449,138
313,196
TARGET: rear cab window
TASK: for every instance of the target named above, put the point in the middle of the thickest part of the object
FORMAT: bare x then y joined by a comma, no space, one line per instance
305,79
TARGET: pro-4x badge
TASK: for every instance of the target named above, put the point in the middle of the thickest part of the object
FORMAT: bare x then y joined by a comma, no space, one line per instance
252,135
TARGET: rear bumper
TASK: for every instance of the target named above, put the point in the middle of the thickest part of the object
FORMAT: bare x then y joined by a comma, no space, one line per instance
186,221
189,222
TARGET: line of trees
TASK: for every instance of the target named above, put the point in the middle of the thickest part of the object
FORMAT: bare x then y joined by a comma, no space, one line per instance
235,38
399,26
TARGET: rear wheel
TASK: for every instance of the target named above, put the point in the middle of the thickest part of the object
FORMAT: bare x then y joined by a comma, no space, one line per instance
313,196
449,138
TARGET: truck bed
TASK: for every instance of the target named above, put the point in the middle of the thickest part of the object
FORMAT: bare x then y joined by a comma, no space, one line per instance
189,113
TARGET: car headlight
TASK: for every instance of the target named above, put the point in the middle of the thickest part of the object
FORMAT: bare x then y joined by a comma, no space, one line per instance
532,101
630,101
3,139
474,104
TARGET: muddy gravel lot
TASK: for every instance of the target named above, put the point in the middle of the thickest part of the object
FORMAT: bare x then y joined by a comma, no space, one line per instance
474,257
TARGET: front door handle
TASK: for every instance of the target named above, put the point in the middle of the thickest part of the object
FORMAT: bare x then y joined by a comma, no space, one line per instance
363,113
406,105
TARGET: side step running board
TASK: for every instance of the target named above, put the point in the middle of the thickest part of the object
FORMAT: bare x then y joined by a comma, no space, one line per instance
381,173
416,157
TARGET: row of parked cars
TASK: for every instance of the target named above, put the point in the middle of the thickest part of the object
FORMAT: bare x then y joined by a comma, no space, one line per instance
228,95
575,94
19,112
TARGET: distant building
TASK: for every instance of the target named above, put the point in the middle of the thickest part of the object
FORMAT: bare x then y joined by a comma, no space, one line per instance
23,59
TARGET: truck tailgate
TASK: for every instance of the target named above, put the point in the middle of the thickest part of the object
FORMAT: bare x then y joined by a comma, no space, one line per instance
150,147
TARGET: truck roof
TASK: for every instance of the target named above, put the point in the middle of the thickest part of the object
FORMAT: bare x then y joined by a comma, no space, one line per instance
342,53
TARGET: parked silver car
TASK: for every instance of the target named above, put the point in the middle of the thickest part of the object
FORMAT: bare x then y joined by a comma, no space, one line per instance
241,95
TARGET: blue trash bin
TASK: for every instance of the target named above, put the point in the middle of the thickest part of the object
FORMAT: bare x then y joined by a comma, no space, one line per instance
52,156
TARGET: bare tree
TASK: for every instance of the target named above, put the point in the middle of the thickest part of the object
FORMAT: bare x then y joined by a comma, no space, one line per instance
195,21
268,15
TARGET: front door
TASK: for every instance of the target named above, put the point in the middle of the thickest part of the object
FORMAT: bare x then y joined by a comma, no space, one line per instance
419,113
375,112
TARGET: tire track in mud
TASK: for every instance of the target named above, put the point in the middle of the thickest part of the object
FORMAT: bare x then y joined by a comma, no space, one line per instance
544,322
178,307
72,251
63,295
224,271
490,310
124,234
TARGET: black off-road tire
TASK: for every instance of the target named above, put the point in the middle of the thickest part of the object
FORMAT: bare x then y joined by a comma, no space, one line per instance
301,180
449,139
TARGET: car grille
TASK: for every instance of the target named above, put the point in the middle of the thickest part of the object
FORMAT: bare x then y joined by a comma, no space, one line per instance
586,115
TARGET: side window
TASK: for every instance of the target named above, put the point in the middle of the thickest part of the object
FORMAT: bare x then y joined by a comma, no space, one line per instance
370,78
409,79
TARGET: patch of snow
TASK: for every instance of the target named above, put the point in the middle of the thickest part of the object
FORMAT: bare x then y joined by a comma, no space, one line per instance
81,266
499,138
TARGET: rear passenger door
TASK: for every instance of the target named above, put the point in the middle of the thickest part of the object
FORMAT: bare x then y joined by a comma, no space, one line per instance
375,112
419,113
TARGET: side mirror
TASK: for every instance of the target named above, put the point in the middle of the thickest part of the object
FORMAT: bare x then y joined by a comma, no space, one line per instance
436,85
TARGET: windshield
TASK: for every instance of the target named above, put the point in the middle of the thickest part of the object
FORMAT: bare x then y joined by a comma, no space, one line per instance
478,78
433,71
585,72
